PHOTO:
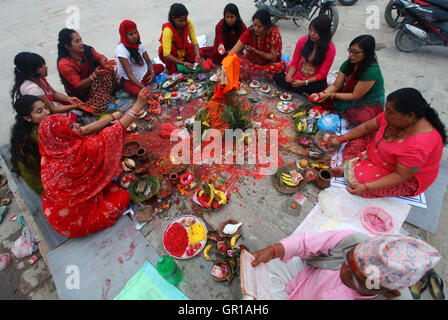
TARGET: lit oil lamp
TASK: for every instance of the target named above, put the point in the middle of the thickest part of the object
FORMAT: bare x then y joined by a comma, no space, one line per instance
271,115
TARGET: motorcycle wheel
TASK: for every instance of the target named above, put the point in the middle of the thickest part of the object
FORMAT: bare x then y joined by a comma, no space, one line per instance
392,15
406,41
333,13
347,2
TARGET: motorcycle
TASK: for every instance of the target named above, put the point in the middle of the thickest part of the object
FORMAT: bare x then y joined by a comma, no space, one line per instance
424,23
298,10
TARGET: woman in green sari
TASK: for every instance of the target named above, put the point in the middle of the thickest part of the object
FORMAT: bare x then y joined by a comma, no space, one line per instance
25,155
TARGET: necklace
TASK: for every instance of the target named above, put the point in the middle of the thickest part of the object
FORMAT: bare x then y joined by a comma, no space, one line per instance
389,137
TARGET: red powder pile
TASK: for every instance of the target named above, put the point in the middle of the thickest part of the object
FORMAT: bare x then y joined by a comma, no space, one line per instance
176,240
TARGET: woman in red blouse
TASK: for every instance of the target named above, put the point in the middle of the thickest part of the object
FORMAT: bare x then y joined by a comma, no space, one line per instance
85,73
227,33
263,45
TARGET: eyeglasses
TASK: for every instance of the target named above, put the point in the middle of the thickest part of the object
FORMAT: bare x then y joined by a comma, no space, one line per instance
356,280
354,52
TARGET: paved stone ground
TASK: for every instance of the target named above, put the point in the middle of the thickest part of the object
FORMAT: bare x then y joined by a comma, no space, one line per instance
34,25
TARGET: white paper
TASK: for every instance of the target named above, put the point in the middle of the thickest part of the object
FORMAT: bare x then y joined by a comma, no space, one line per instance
255,282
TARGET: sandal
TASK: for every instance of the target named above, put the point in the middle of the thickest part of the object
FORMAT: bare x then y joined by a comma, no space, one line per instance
5,201
435,285
3,211
418,288
3,181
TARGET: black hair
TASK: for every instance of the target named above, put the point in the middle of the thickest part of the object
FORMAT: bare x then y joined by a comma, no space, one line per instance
265,18
136,57
26,65
21,130
408,100
176,10
322,24
367,44
64,38
238,26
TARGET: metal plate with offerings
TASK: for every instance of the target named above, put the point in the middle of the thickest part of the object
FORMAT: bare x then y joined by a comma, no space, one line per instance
285,107
185,237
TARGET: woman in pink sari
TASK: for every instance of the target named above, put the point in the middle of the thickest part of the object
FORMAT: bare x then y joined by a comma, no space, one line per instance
397,153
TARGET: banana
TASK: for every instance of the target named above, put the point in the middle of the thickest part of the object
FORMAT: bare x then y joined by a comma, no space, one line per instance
222,196
233,240
289,183
212,194
207,250
286,177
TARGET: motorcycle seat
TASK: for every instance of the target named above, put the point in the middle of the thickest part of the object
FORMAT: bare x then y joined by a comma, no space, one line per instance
439,3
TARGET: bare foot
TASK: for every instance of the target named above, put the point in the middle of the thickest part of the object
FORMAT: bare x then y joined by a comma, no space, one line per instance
337,172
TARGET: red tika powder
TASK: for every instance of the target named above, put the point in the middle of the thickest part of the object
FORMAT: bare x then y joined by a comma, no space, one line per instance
176,240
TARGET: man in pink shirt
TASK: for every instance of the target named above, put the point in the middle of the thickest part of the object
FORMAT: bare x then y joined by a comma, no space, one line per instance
345,265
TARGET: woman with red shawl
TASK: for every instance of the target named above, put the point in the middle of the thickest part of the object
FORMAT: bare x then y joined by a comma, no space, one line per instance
77,170
227,33
263,45
175,49
135,68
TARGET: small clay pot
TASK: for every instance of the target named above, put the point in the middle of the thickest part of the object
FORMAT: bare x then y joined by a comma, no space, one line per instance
130,148
225,264
174,178
142,154
222,226
323,179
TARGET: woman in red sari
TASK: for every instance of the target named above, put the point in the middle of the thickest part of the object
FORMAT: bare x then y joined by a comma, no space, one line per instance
77,169
175,49
263,45
227,33
397,153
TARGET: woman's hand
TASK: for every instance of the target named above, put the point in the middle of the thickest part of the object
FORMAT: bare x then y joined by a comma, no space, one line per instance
252,49
74,100
189,65
197,59
324,95
142,100
263,256
109,64
289,79
333,142
100,71
357,189
297,83
117,115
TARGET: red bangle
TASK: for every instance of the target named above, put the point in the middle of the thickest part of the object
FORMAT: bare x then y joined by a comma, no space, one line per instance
365,186
275,250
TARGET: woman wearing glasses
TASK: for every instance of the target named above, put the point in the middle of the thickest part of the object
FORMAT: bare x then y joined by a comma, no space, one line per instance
358,92
346,265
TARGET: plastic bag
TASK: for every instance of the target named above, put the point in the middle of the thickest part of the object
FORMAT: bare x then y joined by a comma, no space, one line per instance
4,260
329,123
287,60
25,245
